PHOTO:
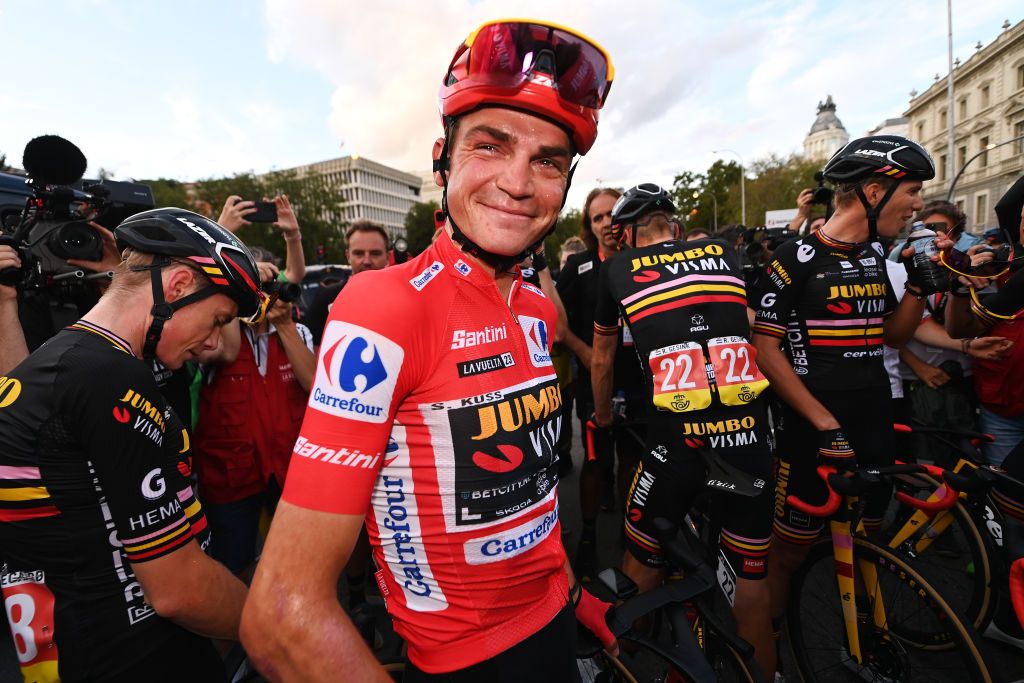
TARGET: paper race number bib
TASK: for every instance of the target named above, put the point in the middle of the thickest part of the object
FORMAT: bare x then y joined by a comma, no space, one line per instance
29,606
680,380
737,376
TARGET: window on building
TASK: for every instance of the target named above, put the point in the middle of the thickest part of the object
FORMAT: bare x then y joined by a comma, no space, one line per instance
920,130
981,209
960,205
961,156
1018,132
1020,76
942,167
942,120
983,159
962,111
985,97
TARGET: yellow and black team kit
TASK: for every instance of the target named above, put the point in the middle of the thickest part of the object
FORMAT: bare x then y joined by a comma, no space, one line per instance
93,479
827,301
685,305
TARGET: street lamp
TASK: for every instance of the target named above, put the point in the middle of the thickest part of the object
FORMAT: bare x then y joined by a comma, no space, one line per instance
989,147
696,195
743,189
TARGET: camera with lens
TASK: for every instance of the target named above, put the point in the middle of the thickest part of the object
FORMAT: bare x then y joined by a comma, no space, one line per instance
288,292
821,194
46,215
759,240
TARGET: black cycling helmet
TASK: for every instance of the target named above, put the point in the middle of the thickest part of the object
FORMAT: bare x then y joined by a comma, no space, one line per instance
214,251
893,156
636,203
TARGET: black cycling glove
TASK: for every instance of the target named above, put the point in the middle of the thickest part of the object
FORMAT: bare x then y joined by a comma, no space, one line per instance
834,450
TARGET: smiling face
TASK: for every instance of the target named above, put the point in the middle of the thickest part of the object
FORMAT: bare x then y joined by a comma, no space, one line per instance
901,207
507,179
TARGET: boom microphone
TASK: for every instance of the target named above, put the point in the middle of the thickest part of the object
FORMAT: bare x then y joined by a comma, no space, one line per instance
52,160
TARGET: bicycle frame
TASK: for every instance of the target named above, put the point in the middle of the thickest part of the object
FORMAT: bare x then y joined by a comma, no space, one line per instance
844,514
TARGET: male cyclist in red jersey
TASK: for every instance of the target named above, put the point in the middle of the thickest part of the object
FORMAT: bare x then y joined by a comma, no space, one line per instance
435,409
827,296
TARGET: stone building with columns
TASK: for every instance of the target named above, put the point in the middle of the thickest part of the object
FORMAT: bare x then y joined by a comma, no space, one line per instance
827,134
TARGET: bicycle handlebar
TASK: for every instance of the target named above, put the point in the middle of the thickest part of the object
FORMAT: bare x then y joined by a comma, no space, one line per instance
834,480
934,429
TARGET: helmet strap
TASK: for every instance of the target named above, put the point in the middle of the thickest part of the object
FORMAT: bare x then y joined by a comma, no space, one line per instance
500,262
873,212
163,311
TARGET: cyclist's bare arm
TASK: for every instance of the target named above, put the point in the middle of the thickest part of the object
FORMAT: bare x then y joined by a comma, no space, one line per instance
194,591
293,626
602,362
776,367
900,326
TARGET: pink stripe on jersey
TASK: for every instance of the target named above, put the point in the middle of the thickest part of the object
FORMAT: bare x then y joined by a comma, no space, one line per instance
159,532
844,323
185,494
697,277
11,472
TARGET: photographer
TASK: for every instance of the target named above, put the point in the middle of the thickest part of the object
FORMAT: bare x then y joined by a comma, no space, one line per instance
250,411
805,202
13,348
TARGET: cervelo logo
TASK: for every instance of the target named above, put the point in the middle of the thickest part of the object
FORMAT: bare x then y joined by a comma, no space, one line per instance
536,331
196,229
357,373
424,278
509,543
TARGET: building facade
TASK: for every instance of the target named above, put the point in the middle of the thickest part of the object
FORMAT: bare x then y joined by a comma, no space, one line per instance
827,134
372,191
988,125
896,126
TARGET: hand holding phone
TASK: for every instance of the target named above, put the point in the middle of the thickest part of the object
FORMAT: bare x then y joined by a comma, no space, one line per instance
266,212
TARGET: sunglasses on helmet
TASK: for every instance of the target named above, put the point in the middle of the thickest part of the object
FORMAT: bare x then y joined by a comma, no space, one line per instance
507,53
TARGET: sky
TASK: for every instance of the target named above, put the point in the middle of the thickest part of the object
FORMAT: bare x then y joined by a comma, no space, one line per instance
190,89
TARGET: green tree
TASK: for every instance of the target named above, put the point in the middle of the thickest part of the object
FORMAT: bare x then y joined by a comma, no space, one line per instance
776,184
316,202
419,226
569,224
169,192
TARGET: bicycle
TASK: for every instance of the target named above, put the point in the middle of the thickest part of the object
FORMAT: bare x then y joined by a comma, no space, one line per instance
690,640
960,550
858,611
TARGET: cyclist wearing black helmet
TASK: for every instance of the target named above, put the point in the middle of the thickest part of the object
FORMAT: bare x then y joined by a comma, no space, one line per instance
685,304
105,577
827,298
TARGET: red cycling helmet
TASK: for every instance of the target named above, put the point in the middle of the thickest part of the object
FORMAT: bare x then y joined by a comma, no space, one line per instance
540,67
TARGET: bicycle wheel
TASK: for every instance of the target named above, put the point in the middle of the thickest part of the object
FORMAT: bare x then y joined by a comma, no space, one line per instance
637,663
949,550
817,633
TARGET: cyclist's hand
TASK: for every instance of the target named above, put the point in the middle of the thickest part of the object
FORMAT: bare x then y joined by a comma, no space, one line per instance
603,418
590,611
933,376
834,449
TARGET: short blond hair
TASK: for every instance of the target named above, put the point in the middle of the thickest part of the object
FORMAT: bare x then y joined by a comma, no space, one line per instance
133,271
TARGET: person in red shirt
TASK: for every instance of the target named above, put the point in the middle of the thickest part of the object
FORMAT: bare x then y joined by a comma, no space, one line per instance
435,410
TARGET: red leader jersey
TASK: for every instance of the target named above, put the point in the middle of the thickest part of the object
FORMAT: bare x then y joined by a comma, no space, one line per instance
435,411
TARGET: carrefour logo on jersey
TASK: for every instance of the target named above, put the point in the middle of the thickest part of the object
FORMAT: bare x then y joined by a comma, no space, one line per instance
357,372
536,331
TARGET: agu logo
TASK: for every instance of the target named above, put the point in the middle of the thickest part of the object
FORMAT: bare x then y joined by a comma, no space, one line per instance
357,373
536,331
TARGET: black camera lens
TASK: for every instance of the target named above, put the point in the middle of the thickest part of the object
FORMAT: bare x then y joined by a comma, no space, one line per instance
288,292
75,240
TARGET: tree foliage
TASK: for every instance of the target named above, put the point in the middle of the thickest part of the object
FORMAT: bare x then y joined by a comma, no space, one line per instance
420,226
771,183
316,203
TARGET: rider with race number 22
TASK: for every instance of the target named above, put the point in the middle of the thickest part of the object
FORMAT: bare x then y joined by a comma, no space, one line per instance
105,578
827,297
435,410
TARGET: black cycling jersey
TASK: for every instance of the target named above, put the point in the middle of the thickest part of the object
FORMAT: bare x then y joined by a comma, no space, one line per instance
93,478
686,306
828,300
577,286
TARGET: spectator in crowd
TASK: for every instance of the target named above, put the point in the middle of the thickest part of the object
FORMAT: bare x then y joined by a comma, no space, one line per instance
696,233
573,245
250,410
232,217
577,287
366,248
804,206
993,237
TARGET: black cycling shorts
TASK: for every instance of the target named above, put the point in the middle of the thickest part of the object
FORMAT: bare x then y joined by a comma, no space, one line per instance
671,475
866,418
548,656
